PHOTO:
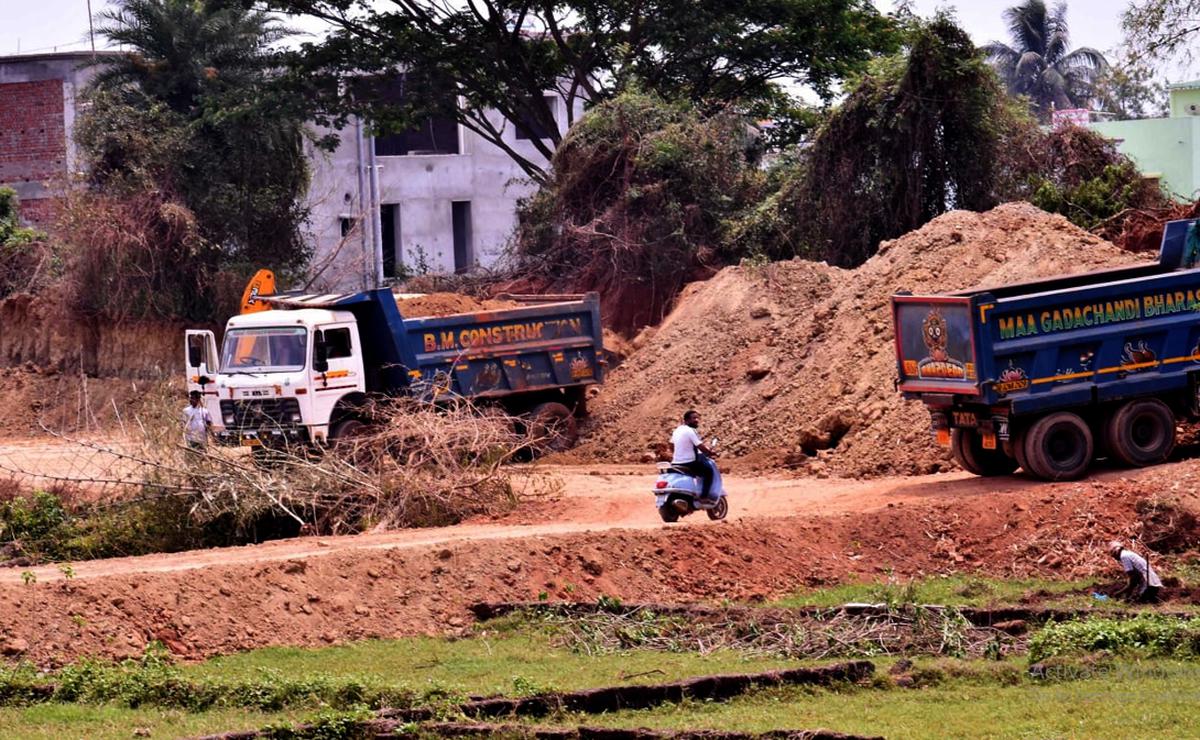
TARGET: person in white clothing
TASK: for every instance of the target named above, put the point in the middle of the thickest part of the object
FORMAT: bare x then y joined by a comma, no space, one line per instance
196,422
689,452
1144,583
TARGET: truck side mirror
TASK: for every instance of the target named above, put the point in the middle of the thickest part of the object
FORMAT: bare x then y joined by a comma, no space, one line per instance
320,355
195,355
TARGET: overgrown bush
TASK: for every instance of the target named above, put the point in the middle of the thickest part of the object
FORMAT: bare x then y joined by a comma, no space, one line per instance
26,260
637,205
922,133
1080,174
918,134
1149,635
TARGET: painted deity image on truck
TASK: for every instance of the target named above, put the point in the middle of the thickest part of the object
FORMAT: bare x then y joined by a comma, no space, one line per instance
1033,374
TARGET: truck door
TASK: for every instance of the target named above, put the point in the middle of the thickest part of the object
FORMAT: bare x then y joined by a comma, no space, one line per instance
200,359
337,370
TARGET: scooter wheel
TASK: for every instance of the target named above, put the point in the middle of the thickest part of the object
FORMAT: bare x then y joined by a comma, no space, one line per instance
719,511
668,513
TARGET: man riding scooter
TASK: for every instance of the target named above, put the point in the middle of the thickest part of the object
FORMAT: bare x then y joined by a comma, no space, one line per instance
690,453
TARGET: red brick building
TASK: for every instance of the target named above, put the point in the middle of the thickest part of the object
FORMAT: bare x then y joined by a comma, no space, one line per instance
38,105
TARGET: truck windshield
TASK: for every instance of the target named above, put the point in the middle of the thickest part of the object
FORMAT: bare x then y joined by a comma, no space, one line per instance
265,350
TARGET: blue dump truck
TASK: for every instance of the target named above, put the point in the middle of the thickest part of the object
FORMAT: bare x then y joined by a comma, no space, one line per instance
1052,374
303,370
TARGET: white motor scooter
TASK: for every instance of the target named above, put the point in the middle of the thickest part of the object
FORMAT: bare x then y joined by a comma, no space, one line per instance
677,492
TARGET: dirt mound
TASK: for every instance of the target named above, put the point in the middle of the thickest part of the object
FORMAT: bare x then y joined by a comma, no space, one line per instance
73,403
793,363
427,305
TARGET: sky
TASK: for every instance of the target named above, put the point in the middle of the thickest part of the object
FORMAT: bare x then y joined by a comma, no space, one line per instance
35,26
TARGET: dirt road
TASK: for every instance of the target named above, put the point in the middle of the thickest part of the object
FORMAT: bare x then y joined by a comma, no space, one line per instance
584,499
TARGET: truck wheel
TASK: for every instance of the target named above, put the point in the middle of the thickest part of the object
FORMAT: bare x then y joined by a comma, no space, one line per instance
1058,446
344,440
1018,450
968,450
1141,432
553,427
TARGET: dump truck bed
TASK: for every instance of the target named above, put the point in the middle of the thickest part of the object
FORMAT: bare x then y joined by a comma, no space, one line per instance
1060,342
551,342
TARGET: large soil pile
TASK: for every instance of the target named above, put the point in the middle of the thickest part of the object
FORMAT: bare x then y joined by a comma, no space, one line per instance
793,364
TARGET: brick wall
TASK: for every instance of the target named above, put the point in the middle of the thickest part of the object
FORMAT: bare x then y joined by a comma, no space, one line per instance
33,144
38,212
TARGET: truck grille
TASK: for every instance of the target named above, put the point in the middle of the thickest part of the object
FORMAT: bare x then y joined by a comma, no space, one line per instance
258,413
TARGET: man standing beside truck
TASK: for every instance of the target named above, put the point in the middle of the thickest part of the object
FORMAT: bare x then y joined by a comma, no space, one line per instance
197,422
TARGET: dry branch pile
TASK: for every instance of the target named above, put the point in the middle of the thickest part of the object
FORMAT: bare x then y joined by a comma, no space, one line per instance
417,465
905,630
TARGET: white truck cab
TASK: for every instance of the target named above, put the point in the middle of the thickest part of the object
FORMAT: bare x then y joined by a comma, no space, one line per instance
281,376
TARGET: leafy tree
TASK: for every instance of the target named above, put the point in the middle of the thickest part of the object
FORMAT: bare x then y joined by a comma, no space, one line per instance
1130,91
918,135
194,111
505,55
1039,64
1162,30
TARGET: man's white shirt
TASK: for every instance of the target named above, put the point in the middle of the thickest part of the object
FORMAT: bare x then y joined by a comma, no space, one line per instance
685,440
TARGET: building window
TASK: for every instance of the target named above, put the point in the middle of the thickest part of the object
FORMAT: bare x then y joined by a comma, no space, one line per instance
464,250
529,128
345,226
389,231
435,134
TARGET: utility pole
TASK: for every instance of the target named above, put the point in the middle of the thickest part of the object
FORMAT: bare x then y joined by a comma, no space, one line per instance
91,29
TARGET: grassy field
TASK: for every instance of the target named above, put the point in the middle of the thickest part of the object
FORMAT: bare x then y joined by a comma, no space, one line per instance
515,661
1154,699
1130,695
111,722
947,590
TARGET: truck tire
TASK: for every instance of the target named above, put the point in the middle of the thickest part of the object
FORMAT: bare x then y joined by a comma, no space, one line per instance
1141,433
553,427
343,440
967,447
1059,446
1018,449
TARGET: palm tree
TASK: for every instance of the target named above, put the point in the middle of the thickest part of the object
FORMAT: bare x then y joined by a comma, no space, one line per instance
180,49
1039,65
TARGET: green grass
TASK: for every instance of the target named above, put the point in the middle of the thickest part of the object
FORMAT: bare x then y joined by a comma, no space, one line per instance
493,662
1156,699
956,590
101,722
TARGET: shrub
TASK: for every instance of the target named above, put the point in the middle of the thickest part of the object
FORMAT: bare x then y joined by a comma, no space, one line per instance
1147,635
26,259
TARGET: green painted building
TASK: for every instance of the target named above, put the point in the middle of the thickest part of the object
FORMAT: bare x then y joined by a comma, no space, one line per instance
1166,149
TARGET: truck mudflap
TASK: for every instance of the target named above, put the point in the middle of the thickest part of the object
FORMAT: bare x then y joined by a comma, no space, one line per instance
935,345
